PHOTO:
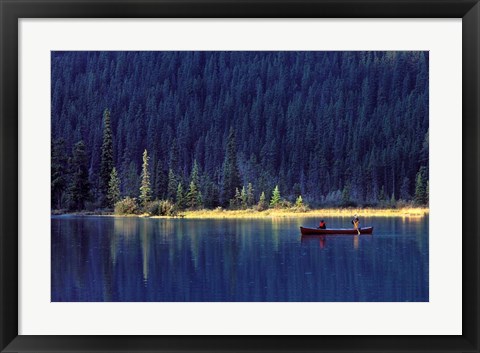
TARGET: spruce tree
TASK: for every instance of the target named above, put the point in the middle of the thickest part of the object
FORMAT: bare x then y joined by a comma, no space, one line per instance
106,162
161,182
276,198
192,196
236,201
180,198
393,201
131,181
79,188
243,196
420,187
172,185
427,191
58,173
113,188
231,175
145,188
262,203
404,189
250,195
299,201
346,196
194,175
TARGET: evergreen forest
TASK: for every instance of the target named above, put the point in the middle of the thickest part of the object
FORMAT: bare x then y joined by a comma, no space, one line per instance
238,129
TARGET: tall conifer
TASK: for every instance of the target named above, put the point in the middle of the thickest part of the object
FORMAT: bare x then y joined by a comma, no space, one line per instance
58,173
79,188
145,187
106,162
231,175
113,188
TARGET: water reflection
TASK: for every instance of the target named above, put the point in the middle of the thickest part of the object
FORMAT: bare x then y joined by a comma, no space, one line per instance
132,259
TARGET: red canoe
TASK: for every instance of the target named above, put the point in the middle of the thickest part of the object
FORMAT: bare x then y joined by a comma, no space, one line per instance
316,231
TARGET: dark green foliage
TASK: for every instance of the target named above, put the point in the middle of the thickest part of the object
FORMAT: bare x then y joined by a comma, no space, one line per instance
236,200
276,198
161,182
346,196
161,208
145,187
421,190
106,161
427,197
126,206
180,197
113,195
211,195
250,195
193,198
59,171
404,190
262,202
172,185
309,122
79,188
231,175
131,181
243,196
299,201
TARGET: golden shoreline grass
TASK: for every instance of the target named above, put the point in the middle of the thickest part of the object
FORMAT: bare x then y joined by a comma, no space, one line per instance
220,213
274,213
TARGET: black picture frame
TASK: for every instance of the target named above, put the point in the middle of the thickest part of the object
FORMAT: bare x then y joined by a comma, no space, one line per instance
12,10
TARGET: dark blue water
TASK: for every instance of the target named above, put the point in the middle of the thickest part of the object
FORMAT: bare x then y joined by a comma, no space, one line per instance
137,259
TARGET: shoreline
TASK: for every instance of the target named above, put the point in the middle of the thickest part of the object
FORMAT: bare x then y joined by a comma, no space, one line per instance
276,213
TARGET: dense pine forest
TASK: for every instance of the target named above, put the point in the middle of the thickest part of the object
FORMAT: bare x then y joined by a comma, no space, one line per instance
238,129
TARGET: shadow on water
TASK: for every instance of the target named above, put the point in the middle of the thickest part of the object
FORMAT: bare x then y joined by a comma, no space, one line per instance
140,259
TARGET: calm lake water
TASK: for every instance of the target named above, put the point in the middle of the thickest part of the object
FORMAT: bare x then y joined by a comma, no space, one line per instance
140,259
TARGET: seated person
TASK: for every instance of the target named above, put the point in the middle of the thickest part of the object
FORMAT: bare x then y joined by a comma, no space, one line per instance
322,225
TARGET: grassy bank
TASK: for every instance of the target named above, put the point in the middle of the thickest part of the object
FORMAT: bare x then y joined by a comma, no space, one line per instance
272,213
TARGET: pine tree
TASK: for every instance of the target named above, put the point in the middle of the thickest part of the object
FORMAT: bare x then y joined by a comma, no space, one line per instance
192,196
106,163
393,201
236,201
420,187
130,181
250,195
299,202
276,198
79,188
231,175
180,198
172,185
194,175
427,191
404,189
243,197
346,196
58,173
145,188
262,203
161,182
381,196
113,188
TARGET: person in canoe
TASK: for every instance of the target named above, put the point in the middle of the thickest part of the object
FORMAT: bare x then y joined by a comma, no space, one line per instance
322,225
356,223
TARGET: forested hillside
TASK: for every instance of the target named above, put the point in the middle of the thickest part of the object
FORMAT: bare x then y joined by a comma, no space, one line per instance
337,128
